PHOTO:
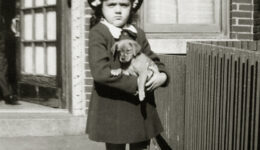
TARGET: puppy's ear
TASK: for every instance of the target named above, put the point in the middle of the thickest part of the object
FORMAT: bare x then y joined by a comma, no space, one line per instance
136,47
114,49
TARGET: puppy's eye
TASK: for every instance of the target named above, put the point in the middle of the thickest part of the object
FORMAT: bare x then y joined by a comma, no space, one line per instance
129,51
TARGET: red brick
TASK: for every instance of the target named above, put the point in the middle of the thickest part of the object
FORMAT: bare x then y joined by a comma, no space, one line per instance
89,81
237,44
86,42
86,58
258,45
229,43
245,22
234,21
242,1
88,96
87,106
86,50
87,26
241,14
241,29
233,35
245,36
234,6
88,88
87,66
252,45
246,7
88,11
87,20
244,45
88,74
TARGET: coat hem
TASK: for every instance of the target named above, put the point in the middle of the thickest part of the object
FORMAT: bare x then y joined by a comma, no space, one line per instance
122,141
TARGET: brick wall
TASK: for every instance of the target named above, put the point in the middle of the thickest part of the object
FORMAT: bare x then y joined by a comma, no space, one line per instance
88,79
257,19
244,24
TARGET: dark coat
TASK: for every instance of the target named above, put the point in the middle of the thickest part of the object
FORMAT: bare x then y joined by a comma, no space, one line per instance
114,114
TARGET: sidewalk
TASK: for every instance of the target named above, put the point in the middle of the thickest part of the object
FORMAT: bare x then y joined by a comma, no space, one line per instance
50,143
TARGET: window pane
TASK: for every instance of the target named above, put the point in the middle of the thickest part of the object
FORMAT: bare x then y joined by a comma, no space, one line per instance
52,59
181,12
39,26
196,11
39,66
39,3
51,2
162,12
28,3
28,27
51,25
28,60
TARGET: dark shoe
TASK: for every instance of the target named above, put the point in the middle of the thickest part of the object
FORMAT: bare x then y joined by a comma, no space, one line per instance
11,100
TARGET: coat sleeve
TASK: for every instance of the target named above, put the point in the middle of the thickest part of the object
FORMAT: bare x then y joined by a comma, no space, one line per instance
100,65
146,49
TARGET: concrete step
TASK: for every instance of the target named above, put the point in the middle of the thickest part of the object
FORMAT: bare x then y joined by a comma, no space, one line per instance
50,143
30,119
39,124
79,142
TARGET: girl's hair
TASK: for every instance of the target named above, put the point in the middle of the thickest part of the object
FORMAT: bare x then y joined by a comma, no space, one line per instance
97,15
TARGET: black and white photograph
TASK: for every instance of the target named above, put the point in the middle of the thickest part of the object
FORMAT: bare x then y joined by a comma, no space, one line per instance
129,74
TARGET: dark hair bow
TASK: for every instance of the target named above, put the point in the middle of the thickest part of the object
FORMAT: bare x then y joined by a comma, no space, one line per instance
126,34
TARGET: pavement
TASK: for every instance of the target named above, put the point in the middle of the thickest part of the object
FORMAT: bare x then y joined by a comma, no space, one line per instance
80,142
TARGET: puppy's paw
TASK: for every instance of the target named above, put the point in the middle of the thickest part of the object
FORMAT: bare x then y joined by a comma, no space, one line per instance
141,96
126,73
116,72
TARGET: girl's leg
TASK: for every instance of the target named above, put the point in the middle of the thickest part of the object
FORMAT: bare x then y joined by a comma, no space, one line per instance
140,146
110,146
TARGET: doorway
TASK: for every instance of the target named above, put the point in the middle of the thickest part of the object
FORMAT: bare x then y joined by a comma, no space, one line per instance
8,47
38,70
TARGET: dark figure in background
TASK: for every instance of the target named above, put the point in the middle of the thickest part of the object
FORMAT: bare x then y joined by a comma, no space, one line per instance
7,54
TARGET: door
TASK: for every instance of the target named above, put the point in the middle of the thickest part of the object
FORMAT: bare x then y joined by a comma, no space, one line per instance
39,51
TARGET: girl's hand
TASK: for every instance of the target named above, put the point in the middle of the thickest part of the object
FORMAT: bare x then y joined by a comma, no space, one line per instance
155,81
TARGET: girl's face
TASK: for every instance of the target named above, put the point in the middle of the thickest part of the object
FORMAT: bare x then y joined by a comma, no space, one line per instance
116,12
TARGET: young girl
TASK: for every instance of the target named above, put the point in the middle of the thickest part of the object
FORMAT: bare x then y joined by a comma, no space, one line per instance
115,113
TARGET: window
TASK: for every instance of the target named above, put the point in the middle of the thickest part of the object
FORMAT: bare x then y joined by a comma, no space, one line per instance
42,54
185,16
39,38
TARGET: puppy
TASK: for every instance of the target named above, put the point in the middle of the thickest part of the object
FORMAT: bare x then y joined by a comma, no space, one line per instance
133,62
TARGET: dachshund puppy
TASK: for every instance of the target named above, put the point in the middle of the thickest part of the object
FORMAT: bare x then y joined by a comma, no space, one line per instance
133,62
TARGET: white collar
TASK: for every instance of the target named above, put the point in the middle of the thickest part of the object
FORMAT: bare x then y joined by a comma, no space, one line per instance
116,31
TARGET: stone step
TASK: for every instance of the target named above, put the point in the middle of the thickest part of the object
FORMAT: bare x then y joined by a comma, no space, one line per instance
78,142
17,124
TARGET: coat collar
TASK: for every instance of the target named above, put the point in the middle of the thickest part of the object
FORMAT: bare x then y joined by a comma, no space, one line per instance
116,31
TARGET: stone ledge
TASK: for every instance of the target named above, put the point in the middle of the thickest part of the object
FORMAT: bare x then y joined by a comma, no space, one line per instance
41,124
